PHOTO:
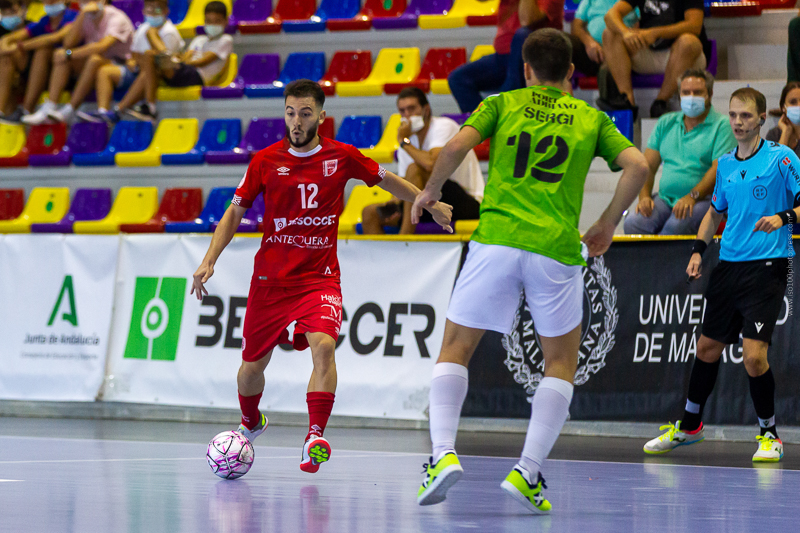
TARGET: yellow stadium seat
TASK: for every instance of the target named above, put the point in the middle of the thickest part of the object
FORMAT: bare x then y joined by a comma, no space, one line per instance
173,136
480,51
134,205
35,11
466,227
12,139
63,98
361,197
195,17
440,86
457,16
185,94
393,65
387,146
45,205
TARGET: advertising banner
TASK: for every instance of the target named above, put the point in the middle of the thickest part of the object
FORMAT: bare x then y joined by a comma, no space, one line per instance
642,321
57,294
170,348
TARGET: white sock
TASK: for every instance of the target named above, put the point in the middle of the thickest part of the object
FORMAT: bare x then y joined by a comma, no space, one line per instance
448,390
152,107
549,411
48,106
66,110
102,110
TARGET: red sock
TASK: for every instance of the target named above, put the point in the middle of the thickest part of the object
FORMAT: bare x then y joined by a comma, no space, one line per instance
320,405
250,413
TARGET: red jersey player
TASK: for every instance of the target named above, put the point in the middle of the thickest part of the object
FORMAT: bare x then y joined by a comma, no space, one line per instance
296,275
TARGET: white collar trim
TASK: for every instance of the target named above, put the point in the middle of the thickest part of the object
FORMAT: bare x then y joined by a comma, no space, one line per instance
305,154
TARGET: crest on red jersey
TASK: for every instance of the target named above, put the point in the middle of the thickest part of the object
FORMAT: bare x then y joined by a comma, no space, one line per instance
329,167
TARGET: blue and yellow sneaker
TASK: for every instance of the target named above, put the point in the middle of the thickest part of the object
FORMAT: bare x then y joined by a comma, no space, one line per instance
517,484
673,438
439,478
251,434
770,449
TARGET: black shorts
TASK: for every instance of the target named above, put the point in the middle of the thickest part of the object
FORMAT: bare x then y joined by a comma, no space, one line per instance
465,207
745,297
184,76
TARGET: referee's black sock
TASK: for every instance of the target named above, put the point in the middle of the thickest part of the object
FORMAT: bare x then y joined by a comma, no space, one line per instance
762,391
704,376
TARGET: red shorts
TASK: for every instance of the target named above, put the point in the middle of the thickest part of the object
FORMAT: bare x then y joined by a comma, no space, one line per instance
270,310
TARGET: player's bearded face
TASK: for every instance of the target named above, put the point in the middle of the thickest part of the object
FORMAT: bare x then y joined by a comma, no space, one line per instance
300,135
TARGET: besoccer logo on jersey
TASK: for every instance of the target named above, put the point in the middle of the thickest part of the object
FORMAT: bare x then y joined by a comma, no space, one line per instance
600,318
156,318
329,167
280,223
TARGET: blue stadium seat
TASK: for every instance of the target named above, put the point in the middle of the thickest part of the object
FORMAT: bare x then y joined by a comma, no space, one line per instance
309,65
128,136
361,132
218,201
222,134
623,120
178,10
328,9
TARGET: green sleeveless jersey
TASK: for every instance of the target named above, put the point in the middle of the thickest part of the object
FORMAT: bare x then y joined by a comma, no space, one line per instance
543,142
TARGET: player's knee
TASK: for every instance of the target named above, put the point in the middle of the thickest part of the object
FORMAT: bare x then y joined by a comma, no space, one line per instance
687,44
755,364
324,354
708,350
415,174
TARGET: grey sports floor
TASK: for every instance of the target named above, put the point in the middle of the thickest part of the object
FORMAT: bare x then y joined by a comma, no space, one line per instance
102,476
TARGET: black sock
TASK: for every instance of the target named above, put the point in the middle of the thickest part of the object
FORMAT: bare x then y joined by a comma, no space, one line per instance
762,391
704,376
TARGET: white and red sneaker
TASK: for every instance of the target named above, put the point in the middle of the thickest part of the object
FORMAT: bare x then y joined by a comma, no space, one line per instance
316,451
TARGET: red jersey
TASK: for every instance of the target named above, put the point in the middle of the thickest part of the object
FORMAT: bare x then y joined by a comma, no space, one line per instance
508,21
303,199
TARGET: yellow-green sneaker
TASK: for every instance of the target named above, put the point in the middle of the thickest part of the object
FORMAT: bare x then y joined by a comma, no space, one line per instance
673,438
528,494
770,449
439,478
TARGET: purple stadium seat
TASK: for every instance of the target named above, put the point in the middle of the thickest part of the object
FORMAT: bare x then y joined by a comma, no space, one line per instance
460,118
252,218
261,133
409,18
132,8
84,138
88,204
250,11
258,70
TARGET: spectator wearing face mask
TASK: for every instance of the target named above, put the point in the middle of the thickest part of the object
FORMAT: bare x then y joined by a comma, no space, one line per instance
421,137
688,143
787,132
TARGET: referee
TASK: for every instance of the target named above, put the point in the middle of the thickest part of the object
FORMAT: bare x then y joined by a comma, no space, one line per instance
746,289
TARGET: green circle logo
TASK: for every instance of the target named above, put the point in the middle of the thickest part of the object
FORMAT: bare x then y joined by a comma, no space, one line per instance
398,68
49,206
48,140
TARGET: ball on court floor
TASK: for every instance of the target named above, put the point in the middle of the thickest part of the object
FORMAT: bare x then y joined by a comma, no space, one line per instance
230,455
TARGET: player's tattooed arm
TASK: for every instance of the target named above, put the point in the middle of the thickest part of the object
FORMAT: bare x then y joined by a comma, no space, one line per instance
222,236
400,188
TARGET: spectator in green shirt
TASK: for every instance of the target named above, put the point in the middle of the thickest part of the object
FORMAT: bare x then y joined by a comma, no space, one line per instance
587,34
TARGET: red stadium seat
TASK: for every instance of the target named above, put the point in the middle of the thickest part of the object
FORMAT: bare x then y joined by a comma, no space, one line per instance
46,139
285,10
12,201
438,64
736,9
178,205
328,128
482,150
346,66
371,9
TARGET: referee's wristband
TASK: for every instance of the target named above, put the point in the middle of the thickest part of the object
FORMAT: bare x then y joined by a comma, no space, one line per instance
699,247
788,216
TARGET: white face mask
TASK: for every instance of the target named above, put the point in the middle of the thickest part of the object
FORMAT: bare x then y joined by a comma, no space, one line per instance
416,122
793,114
214,30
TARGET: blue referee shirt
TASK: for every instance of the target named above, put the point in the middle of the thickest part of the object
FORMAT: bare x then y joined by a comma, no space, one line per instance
764,184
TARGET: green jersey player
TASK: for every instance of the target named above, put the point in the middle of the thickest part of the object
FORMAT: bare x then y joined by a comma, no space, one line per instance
543,141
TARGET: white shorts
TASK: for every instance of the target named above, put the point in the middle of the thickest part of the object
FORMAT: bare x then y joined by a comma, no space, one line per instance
649,61
488,290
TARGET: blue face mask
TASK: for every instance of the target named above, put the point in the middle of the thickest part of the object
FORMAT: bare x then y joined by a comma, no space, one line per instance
155,22
53,10
793,114
10,23
214,30
693,106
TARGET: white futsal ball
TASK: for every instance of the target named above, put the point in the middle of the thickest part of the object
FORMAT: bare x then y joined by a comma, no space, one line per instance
230,455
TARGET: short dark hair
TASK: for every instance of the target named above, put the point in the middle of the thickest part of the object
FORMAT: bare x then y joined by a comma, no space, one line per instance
748,94
216,7
162,3
549,53
701,73
414,92
305,88
786,90
8,4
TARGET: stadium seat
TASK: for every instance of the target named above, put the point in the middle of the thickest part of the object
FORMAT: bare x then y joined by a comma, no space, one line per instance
178,10
360,197
371,9
178,205
195,16
414,10
570,7
249,11
484,19
252,219
134,205
360,131
220,134
88,204
128,136
465,227
12,146
328,9
285,10
218,201
34,11
459,118
12,201
193,92
383,152
623,120
735,9
438,64
261,133
328,128
45,204
346,66
258,70
227,86
309,65
480,51
173,136
84,138
393,65
132,8
456,17
46,139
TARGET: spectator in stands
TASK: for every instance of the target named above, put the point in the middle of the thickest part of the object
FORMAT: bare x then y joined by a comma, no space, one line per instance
12,60
587,34
106,34
25,55
793,53
502,71
202,63
787,132
688,142
156,37
422,136
670,38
